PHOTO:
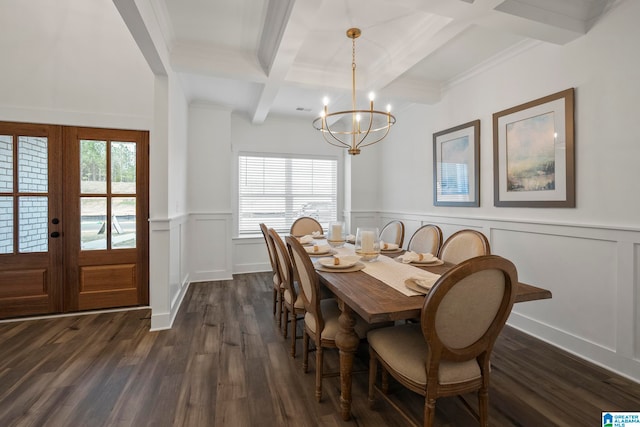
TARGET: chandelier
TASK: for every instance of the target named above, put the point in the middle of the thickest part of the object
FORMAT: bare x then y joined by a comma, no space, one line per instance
354,128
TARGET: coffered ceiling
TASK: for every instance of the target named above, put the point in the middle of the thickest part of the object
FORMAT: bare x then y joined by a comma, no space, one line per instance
264,57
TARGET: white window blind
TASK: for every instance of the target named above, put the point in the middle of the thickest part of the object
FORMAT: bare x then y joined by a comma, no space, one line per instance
277,190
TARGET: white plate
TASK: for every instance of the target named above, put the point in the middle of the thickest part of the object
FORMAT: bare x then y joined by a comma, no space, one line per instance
432,262
391,251
322,250
345,262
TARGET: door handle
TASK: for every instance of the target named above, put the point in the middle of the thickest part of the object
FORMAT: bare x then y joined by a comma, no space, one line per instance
55,234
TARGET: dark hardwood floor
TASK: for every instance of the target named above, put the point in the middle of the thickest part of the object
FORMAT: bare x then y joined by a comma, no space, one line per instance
225,363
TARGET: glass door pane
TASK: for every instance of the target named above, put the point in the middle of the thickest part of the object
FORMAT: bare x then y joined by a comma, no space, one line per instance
6,225
33,232
93,223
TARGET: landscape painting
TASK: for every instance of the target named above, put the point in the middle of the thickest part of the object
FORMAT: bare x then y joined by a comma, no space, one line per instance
531,154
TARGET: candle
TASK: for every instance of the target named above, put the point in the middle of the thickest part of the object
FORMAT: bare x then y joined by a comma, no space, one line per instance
336,232
367,241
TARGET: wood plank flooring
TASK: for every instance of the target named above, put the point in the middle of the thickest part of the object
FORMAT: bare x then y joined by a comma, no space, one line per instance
225,363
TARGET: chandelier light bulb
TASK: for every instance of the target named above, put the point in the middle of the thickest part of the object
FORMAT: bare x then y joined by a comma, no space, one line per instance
388,108
358,118
372,96
325,101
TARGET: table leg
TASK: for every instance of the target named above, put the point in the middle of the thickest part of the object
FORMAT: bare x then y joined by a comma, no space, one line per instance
347,342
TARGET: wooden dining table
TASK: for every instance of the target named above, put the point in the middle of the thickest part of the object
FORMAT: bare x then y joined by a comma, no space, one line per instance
376,302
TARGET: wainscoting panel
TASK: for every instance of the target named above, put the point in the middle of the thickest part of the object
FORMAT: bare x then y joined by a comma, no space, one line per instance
581,274
250,255
211,246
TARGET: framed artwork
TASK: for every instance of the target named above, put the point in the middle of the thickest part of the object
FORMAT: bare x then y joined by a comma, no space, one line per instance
533,153
456,166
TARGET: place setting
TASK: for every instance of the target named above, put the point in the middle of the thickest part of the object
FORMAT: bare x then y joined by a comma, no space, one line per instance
315,250
423,259
390,248
343,264
421,284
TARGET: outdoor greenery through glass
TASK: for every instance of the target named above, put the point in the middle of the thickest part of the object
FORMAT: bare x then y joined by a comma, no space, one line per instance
119,170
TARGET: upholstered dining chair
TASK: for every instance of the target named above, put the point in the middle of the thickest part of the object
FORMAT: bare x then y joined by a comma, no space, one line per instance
305,225
278,286
464,244
448,353
321,317
426,239
293,306
393,232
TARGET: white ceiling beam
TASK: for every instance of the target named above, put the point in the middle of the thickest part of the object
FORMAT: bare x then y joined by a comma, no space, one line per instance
139,19
284,32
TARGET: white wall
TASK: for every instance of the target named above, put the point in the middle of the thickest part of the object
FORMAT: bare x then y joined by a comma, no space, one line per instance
59,65
587,256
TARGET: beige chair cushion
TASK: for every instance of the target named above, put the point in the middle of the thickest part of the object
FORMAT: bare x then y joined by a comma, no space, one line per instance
330,314
299,302
469,308
462,248
403,347
392,233
425,240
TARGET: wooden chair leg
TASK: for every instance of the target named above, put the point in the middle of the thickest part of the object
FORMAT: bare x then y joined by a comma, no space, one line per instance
286,322
483,406
280,305
275,301
373,368
319,360
429,411
294,332
305,352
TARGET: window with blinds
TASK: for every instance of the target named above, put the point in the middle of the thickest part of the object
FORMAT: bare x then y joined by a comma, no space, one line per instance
276,190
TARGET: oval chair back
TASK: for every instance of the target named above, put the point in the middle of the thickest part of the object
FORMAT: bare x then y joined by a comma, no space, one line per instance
305,225
426,239
464,244
393,232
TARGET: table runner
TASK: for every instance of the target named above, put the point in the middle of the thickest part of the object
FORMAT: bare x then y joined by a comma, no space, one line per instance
390,271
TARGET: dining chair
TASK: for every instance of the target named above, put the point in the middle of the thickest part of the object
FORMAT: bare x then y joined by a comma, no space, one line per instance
321,317
278,286
293,306
305,225
448,352
426,239
462,245
393,232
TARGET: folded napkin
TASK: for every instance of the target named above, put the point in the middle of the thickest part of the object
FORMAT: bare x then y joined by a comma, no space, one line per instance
321,249
306,239
316,233
388,246
423,282
351,238
410,256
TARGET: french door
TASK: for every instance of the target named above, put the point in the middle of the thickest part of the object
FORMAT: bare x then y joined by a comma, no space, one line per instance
73,226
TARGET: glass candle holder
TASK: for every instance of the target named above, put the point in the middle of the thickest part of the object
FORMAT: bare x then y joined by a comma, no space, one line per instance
368,243
336,234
